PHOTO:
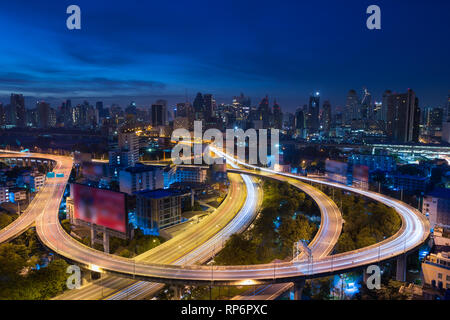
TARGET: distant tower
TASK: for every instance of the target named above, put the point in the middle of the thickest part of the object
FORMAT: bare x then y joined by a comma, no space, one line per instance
352,110
199,107
277,116
403,117
312,119
326,117
18,107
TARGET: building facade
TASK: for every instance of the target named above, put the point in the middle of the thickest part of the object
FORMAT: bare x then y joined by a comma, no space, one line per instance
140,177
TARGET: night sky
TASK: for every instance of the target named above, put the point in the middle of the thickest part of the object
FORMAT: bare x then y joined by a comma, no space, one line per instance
146,50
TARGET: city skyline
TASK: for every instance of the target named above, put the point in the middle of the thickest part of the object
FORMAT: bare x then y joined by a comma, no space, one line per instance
162,51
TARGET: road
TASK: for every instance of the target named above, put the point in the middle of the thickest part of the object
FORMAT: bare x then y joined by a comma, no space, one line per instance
415,229
40,201
196,244
188,247
321,246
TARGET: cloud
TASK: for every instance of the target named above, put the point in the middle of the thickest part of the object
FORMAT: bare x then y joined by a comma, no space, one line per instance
89,86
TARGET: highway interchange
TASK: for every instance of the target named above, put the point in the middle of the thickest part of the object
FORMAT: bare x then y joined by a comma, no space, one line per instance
414,231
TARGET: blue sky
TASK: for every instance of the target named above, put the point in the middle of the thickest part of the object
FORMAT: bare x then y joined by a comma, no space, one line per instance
145,50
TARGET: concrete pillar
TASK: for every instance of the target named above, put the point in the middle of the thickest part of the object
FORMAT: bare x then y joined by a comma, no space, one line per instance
105,241
298,289
177,292
401,268
93,235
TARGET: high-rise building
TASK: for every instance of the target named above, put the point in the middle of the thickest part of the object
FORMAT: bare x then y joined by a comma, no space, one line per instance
312,118
102,112
446,124
264,113
326,117
299,122
403,117
199,107
365,108
128,142
448,110
210,106
385,108
10,114
352,107
2,115
277,116
18,103
43,114
432,119
159,114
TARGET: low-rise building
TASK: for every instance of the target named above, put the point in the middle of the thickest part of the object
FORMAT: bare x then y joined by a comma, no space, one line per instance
17,194
37,181
185,174
4,193
436,270
436,205
157,209
141,177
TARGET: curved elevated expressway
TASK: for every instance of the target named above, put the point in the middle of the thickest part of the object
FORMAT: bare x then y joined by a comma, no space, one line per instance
414,230
42,199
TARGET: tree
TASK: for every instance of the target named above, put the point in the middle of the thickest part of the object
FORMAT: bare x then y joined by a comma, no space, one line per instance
5,219
345,243
293,230
237,251
365,238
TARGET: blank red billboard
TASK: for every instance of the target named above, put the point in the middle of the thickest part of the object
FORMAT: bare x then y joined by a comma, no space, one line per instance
100,206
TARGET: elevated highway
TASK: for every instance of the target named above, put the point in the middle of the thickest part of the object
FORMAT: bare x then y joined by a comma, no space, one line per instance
414,231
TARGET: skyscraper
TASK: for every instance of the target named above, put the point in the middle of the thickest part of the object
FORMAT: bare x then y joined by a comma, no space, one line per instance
43,114
210,106
277,116
312,119
2,115
326,117
159,114
18,104
352,107
102,112
403,117
365,105
264,113
447,116
299,122
199,107
128,143
385,108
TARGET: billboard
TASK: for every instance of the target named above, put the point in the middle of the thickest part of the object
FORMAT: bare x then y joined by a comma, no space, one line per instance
92,170
100,206
361,176
336,171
